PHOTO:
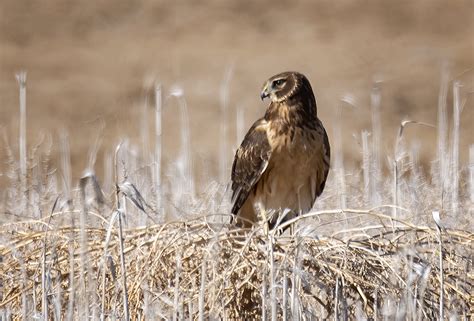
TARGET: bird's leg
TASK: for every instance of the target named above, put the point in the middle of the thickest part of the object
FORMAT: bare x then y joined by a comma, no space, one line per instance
263,215
292,226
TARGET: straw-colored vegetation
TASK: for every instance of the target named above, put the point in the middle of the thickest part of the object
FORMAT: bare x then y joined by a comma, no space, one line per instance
145,233
93,251
198,269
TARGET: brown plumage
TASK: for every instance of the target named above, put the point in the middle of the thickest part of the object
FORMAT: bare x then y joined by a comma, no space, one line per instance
283,161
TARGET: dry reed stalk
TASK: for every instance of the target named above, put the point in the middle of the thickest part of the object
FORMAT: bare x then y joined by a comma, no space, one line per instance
339,159
366,165
145,132
186,158
455,148
158,150
224,94
21,78
65,153
376,151
443,156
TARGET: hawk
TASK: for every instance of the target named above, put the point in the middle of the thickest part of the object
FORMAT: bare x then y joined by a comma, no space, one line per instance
283,161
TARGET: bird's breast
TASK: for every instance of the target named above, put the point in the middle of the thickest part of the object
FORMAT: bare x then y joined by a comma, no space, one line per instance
295,157
295,169
291,176
294,141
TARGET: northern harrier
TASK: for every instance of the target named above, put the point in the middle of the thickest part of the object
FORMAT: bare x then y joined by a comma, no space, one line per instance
283,161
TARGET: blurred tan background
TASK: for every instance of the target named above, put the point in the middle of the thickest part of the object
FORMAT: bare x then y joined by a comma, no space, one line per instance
92,62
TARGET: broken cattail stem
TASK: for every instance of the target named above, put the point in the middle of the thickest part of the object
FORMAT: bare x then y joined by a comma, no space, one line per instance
145,131
186,147
339,159
158,141
21,78
366,165
65,164
455,147
443,157
224,124
375,98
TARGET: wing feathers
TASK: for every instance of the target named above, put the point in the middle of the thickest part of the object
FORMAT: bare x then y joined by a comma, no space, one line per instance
250,162
326,159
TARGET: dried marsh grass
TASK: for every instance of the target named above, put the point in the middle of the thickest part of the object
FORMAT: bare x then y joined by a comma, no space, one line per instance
150,249
198,269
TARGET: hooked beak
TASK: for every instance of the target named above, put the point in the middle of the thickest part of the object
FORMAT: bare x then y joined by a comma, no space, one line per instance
264,94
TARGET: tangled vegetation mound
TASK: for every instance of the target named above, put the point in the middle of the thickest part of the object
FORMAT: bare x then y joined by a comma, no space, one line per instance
201,269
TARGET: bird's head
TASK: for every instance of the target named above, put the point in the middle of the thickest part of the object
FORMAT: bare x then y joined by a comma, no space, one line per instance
284,86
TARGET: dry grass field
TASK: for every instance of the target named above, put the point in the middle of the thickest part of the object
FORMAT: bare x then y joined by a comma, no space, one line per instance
116,149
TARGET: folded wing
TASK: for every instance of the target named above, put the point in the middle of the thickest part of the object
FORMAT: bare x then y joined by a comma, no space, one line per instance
250,162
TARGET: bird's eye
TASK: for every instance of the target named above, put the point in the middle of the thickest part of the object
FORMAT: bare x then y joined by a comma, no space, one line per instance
279,82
